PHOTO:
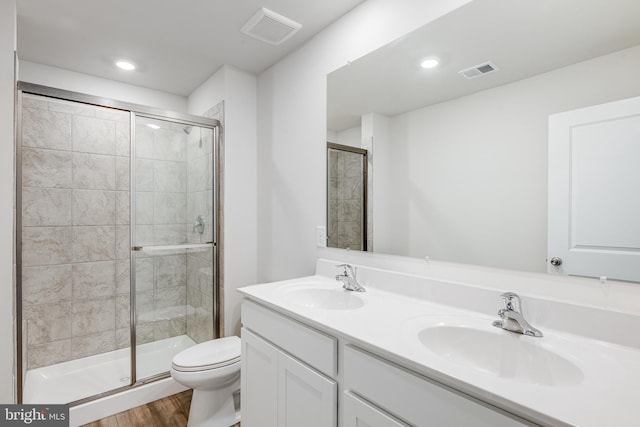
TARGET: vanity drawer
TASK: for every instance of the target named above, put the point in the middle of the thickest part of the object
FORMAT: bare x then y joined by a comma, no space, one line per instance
317,349
415,399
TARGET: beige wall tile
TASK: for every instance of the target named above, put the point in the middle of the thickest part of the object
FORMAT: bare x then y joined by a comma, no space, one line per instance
144,175
123,174
144,334
170,208
123,312
144,207
46,245
94,207
46,129
119,116
93,316
93,135
123,139
49,353
94,243
144,274
170,271
171,234
94,172
94,279
34,101
169,328
47,284
170,297
97,343
145,307
123,245
123,271
170,145
144,141
46,168
48,322
170,177
123,203
46,207
123,338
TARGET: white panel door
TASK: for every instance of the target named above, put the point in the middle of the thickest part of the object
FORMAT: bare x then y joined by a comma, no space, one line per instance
594,191
259,382
305,397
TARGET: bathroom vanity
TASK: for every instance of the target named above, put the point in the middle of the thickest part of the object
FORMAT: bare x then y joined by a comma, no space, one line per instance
413,351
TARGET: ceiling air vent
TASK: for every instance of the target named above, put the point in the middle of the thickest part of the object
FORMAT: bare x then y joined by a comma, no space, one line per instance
270,27
479,70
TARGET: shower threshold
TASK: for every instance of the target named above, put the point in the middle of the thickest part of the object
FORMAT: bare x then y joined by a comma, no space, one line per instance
89,376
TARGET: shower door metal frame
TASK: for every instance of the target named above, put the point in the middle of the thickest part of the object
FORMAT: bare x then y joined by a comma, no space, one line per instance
217,244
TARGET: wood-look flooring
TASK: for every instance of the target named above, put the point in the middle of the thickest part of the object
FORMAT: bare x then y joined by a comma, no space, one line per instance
172,411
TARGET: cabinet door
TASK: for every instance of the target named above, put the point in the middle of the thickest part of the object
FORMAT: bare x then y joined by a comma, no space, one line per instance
358,413
259,382
305,397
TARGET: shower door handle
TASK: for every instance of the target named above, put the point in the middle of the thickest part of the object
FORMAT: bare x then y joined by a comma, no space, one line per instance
151,248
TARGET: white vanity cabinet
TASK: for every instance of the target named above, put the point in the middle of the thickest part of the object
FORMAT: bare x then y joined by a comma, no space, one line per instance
290,378
278,389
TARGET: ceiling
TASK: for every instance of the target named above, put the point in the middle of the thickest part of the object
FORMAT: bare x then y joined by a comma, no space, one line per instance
176,44
523,40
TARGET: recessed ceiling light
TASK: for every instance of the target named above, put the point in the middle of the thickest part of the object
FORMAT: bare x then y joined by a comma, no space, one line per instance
152,126
125,65
430,63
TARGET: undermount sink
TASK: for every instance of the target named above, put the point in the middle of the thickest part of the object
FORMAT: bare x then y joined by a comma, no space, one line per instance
498,352
314,296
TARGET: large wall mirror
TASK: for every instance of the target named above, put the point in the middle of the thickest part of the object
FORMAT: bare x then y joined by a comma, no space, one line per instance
458,153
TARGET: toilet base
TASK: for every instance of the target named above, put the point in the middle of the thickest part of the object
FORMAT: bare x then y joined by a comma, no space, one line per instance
210,408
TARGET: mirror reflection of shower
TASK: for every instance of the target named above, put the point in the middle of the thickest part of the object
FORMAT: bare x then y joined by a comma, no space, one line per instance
347,197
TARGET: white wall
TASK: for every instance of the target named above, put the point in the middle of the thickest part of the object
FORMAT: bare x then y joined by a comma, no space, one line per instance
292,128
351,137
238,90
7,182
77,82
477,193
376,138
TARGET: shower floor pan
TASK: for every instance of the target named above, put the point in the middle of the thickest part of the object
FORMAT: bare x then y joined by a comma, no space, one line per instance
89,376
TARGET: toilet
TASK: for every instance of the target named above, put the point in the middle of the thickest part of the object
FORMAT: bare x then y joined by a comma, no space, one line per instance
212,370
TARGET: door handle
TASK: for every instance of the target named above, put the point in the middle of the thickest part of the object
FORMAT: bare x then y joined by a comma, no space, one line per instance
556,261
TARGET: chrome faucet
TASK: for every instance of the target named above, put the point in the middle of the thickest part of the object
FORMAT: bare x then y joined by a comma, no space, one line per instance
513,318
348,278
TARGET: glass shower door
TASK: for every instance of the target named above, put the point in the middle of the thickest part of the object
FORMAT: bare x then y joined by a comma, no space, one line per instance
73,266
173,222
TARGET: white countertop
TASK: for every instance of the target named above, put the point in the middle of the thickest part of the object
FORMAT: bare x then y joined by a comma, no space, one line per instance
605,394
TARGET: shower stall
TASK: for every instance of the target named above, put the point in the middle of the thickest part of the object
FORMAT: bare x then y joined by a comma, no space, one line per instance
116,241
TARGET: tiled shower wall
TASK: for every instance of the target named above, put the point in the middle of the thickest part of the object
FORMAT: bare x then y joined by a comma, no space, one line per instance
345,202
75,231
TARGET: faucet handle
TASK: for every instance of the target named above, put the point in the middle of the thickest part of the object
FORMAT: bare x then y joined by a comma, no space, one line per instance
511,301
348,270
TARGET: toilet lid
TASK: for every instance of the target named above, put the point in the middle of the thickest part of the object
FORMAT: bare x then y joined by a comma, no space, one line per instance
208,355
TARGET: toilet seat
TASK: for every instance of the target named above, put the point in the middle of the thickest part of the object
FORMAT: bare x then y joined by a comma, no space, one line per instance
208,355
